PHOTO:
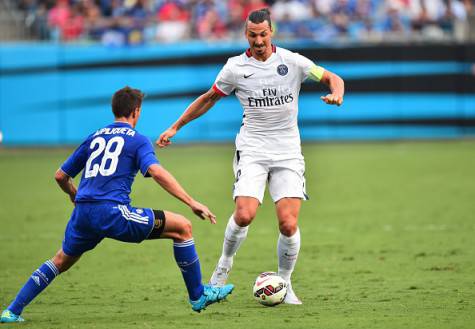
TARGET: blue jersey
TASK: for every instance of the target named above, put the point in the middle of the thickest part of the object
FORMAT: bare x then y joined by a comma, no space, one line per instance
110,157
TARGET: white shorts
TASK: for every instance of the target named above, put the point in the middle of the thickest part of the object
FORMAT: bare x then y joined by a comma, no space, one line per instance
285,175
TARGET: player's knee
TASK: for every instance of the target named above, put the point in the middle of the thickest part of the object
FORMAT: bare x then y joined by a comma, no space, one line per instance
288,228
186,230
243,217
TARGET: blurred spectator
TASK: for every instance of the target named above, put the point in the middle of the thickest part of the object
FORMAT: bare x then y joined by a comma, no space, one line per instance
36,20
198,9
173,21
394,24
59,14
105,7
323,7
235,22
251,5
341,13
58,19
94,21
210,26
294,10
118,22
138,16
74,25
428,17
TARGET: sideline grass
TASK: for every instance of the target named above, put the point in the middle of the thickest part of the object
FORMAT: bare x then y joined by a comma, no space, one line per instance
387,242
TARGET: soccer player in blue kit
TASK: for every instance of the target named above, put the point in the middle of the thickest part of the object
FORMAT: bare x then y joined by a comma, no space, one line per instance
110,158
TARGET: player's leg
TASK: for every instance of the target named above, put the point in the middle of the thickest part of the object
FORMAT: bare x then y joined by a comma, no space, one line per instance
251,177
178,228
237,227
288,245
234,235
287,189
38,281
77,240
173,226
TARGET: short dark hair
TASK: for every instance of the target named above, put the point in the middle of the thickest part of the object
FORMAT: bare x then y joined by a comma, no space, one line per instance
259,16
125,101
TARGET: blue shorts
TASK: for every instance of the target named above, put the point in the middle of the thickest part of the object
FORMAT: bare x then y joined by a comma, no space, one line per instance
92,222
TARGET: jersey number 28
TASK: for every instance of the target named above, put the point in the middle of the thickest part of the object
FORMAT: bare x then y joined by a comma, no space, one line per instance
109,158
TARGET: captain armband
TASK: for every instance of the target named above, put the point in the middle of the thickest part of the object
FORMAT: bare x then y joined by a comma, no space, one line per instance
316,73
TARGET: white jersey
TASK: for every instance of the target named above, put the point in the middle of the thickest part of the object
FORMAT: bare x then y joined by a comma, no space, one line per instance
268,92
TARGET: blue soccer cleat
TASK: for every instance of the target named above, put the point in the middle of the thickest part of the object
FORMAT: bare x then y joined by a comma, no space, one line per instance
8,317
210,296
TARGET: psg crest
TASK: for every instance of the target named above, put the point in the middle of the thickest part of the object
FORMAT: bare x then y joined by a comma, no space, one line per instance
282,69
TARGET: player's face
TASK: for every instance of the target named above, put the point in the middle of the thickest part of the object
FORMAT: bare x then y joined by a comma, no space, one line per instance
259,38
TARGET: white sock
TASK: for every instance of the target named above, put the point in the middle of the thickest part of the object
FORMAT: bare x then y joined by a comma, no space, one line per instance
288,251
233,237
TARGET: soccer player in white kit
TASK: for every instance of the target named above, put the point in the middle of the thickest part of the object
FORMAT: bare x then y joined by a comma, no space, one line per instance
266,80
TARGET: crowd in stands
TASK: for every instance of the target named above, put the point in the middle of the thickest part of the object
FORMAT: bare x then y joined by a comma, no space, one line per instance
118,22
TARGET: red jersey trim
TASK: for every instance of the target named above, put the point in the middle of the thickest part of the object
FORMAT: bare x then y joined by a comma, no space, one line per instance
217,90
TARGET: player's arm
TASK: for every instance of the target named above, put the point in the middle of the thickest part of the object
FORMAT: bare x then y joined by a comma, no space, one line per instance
171,185
66,184
70,168
200,106
333,81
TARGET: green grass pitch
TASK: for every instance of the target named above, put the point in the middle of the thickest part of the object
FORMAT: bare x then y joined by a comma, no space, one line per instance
387,242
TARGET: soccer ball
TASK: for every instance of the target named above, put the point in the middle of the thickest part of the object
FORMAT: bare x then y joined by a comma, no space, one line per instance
269,289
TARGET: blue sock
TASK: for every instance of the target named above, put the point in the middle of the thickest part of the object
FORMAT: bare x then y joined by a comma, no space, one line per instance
37,282
189,264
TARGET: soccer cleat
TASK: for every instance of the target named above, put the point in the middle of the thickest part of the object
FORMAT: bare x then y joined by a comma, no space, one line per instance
220,276
290,297
8,317
210,296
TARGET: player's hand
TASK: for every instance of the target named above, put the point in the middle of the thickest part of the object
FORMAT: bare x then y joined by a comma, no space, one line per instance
164,139
332,99
202,211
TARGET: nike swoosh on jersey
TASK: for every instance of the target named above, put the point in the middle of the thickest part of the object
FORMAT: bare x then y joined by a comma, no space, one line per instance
248,75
